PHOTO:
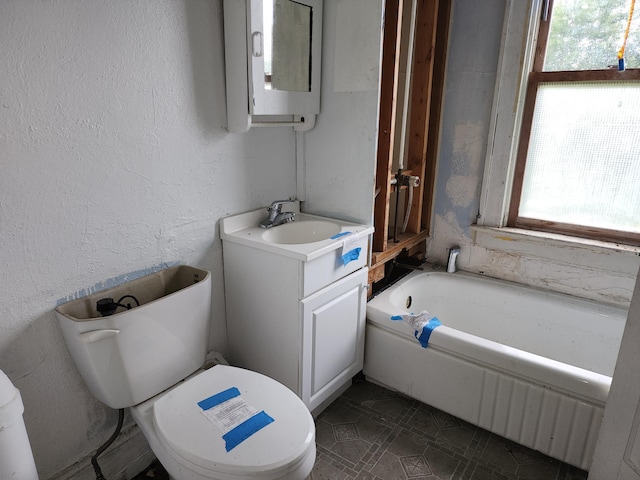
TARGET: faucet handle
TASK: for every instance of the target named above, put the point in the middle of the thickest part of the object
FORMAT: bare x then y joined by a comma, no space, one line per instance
277,205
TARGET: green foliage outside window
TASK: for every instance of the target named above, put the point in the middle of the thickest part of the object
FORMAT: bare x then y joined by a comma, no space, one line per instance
587,34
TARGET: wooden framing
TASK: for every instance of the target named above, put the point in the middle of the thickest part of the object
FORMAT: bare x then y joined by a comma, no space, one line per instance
425,39
427,70
387,120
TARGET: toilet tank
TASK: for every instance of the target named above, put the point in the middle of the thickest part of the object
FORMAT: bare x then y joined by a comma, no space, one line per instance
132,355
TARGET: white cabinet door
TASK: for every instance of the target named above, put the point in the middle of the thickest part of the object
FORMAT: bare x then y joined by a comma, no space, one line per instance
333,322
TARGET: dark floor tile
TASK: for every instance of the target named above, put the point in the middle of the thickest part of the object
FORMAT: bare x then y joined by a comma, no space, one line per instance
338,413
415,466
423,421
389,467
458,437
371,433
155,471
345,431
407,445
351,450
389,408
498,455
538,470
364,475
324,434
324,471
371,430
443,465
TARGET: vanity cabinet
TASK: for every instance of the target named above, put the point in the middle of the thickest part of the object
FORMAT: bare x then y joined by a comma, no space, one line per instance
299,321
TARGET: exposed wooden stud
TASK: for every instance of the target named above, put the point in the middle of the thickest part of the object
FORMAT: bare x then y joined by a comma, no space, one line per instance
376,273
423,111
386,126
425,38
405,241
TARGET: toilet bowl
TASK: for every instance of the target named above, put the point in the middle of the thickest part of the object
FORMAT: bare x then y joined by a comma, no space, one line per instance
150,358
191,448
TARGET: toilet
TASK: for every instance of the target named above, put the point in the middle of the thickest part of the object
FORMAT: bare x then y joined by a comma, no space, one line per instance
221,422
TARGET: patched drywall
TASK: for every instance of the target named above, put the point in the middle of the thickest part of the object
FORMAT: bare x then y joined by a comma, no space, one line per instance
584,270
472,60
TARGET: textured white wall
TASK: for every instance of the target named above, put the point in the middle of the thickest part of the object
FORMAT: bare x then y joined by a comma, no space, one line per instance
113,161
341,149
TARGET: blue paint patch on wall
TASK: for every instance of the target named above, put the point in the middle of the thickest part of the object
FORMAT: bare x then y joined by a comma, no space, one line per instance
474,49
114,282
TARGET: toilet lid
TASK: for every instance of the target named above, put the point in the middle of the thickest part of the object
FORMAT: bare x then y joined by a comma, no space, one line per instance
184,429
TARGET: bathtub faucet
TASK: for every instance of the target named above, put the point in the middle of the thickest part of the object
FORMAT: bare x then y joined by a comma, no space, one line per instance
276,216
451,262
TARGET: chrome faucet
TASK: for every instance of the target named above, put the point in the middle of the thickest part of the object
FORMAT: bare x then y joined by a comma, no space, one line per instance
276,216
451,262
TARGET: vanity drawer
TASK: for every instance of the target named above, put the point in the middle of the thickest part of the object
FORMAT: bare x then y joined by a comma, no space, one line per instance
324,270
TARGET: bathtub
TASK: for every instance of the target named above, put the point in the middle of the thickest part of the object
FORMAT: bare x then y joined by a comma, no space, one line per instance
529,365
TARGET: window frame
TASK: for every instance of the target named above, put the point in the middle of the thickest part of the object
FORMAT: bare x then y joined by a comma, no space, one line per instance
536,77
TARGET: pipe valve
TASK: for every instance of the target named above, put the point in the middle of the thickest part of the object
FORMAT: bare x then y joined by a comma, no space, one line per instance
408,180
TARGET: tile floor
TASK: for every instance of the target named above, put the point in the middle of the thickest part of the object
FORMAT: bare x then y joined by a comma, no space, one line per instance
371,433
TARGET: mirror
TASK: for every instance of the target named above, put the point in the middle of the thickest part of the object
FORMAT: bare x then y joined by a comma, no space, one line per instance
287,45
272,55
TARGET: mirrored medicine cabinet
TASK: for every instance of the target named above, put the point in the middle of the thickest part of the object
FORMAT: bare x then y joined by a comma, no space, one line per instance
272,59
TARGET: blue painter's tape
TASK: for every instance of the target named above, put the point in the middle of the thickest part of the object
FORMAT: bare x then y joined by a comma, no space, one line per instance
351,255
235,437
397,317
423,338
338,235
218,398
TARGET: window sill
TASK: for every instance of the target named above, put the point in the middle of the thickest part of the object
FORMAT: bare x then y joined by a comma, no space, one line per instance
593,254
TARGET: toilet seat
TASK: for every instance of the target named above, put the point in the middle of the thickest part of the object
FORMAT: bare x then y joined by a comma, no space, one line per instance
196,443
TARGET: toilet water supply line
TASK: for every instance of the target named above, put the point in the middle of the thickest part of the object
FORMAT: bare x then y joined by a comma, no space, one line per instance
94,459
408,212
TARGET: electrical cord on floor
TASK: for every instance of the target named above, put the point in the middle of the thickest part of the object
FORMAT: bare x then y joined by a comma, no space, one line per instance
94,459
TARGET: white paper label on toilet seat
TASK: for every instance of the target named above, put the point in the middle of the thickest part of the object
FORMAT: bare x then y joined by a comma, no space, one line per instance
229,414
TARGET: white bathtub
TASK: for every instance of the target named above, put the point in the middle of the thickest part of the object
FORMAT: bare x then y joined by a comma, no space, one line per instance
532,366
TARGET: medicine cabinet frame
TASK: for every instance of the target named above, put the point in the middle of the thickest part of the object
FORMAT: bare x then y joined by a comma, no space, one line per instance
251,101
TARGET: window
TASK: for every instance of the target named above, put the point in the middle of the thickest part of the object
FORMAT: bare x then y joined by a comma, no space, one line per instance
577,170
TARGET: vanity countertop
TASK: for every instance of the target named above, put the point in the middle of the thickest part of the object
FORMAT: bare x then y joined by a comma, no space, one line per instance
244,229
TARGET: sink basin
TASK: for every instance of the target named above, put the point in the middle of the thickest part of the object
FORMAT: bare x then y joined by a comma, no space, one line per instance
307,238
297,232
